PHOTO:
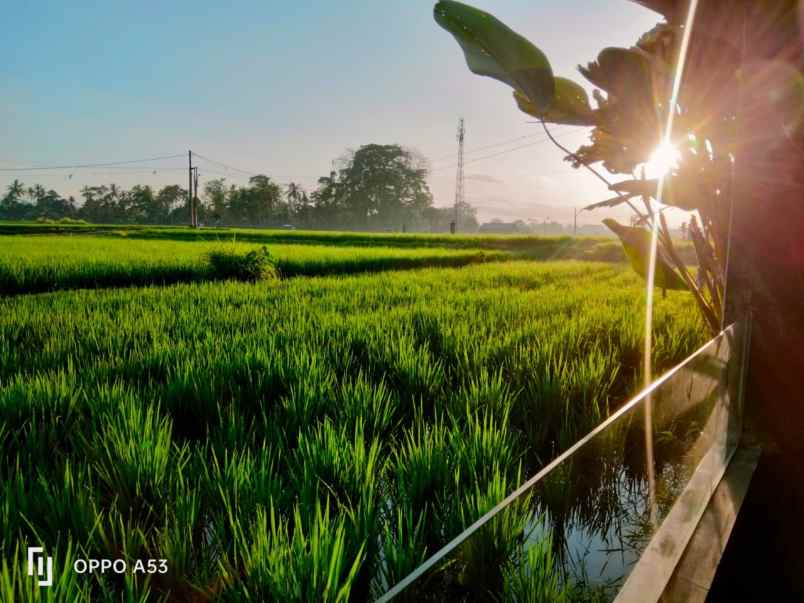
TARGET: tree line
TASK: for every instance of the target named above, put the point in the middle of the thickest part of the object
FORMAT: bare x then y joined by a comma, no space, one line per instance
377,187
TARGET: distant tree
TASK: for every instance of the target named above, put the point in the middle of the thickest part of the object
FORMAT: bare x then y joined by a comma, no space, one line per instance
380,186
259,204
12,206
172,203
94,208
15,192
142,206
51,205
327,204
215,200
265,201
294,194
35,192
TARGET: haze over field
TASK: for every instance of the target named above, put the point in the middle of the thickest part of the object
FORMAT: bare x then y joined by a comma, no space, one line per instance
283,89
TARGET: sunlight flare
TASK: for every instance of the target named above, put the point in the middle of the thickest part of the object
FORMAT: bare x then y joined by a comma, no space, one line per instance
663,160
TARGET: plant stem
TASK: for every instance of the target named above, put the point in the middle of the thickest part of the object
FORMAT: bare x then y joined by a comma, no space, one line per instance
587,166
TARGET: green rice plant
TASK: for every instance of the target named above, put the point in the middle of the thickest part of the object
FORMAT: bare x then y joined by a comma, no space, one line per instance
423,465
48,509
486,393
134,589
185,540
230,262
480,559
281,560
403,550
311,398
371,404
537,578
242,481
233,432
415,373
480,446
38,417
135,459
338,464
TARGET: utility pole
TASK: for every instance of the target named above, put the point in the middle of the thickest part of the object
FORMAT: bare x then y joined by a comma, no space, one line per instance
574,221
195,197
459,177
190,204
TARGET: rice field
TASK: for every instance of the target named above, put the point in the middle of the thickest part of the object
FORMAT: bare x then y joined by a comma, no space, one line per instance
302,439
529,243
34,264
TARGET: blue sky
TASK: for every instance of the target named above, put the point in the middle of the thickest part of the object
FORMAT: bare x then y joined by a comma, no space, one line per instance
283,88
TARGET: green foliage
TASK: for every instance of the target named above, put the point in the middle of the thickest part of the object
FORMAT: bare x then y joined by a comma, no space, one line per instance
231,262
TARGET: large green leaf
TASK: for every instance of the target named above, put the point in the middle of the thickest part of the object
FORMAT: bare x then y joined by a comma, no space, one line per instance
570,105
493,49
636,243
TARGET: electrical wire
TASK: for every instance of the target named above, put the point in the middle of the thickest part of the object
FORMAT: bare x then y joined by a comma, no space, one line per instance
471,150
498,154
88,165
220,163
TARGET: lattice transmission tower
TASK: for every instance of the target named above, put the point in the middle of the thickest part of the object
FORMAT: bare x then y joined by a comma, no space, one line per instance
459,191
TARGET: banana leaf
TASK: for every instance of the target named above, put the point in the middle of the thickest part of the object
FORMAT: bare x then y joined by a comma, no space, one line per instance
570,105
494,50
636,244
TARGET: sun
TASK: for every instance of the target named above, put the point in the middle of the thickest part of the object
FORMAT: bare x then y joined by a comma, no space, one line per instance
663,159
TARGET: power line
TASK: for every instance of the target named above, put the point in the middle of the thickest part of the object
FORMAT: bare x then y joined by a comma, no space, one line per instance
488,146
498,144
498,154
228,167
120,170
88,165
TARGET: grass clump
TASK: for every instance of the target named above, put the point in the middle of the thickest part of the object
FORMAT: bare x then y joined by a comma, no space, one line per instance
230,262
286,560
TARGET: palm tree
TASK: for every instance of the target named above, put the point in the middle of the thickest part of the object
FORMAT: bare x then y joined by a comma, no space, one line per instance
37,191
15,190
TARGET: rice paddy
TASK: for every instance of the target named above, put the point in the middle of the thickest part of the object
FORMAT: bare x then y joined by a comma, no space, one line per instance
49,263
306,439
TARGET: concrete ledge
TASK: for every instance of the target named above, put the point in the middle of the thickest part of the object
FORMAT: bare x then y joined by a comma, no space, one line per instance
695,572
